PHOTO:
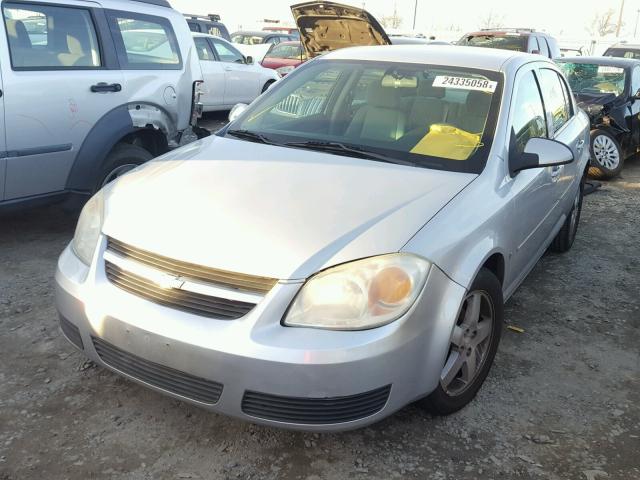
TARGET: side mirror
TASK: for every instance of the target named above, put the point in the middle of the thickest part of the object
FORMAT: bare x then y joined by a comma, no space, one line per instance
249,60
237,110
637,95
535,52
539,153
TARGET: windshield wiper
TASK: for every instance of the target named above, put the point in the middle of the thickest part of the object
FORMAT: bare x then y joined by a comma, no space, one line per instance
251,136
348,150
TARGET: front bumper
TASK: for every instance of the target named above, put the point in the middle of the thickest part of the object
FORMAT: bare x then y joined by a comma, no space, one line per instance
254,368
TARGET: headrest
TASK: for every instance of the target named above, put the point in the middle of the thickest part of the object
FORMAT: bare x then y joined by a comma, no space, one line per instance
383,97
18,34
426,89
478,101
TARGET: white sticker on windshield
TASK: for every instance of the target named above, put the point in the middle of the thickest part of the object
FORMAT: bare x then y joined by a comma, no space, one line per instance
603,70
465,83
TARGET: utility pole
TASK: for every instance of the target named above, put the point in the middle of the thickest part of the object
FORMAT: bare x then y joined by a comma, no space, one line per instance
635,30
620,20
415,14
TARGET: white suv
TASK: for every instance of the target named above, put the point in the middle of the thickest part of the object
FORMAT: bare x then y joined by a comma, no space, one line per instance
89,90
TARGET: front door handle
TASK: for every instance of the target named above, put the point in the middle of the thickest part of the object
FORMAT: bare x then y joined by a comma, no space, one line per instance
580,146
555,172
104,87
228,69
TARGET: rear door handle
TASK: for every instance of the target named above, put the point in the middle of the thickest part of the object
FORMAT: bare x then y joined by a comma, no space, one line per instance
228,69
104,87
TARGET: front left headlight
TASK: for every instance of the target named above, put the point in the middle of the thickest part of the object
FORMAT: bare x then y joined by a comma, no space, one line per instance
88,229
360,295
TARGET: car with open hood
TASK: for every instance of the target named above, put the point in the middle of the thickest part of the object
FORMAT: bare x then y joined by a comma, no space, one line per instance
344,247
328,26
608,89
285,57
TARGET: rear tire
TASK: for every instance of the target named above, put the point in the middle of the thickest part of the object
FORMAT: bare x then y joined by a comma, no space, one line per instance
607,157
123,158
567,234
474,343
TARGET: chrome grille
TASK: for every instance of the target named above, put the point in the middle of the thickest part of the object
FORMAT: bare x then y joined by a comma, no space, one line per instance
222,278
160,376
191,302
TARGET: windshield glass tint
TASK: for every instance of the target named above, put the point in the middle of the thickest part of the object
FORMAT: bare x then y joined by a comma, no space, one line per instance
593,79
505,42
287,51
431,116
623,53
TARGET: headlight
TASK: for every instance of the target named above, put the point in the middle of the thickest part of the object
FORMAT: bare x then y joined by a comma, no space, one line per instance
88,229
360,295
285,70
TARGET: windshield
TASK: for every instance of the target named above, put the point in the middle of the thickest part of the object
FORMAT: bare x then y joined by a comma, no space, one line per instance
514,42
594,79
247,39
623,53
428,116
287,51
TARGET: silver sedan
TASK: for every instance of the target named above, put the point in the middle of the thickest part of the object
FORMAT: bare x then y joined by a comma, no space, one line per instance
343,247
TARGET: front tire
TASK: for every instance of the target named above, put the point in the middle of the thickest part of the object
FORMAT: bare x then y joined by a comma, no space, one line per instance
567,234
123,158
607,157
474,342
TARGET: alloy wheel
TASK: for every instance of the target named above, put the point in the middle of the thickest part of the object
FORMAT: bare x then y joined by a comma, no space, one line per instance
606,152
470,343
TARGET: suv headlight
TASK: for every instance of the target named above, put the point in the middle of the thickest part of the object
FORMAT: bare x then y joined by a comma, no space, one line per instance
88,229
360,295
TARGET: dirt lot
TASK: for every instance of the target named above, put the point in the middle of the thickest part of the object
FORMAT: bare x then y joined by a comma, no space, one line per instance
562,401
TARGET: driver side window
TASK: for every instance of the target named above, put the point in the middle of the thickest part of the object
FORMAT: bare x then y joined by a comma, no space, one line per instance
528,119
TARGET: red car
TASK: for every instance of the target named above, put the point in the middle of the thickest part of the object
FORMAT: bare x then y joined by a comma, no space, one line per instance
285,57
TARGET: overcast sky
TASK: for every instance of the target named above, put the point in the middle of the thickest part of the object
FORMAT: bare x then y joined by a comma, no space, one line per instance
560,17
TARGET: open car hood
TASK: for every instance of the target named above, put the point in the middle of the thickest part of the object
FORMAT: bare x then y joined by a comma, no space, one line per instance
328,26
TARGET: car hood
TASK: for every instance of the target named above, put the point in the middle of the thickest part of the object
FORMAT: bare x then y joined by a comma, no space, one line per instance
272,211
328,26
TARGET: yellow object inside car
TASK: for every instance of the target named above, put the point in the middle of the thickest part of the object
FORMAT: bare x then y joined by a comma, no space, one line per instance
447,141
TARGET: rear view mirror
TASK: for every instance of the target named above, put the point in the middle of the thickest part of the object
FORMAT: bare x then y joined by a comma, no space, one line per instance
237,110
539,153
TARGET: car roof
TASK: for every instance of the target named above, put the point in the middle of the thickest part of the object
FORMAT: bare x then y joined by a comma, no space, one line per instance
207,35
449,55
608,61
505,31
257,33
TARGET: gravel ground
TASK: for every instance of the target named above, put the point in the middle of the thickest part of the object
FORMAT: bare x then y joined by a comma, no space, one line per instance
562,401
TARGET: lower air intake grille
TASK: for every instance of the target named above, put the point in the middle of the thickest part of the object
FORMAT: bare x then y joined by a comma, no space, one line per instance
71,332
196,303
315,410
174,381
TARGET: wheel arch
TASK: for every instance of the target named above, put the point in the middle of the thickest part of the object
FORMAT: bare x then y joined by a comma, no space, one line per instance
144,125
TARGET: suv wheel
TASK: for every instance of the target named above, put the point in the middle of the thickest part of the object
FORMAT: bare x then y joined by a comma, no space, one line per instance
123,158
474,342
606,155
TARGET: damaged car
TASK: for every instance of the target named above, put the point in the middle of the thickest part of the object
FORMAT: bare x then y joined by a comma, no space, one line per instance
320,267
608,89
329,26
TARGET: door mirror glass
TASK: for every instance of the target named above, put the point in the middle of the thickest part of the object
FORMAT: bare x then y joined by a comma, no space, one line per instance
249,60
237,110
540,153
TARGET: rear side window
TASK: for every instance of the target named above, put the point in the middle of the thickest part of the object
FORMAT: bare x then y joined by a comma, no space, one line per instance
528,118
204,49
194,26
144,42
555,98
50,37
623,53
226,52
